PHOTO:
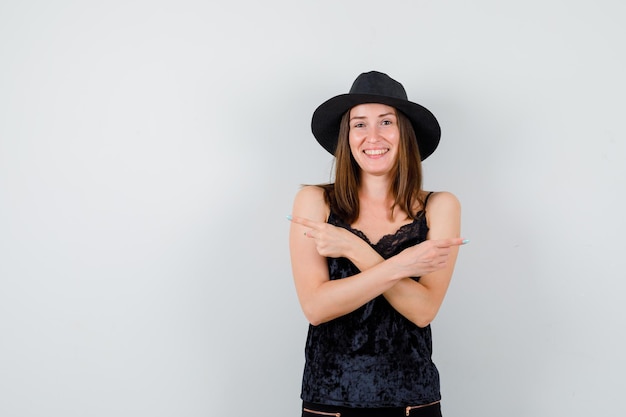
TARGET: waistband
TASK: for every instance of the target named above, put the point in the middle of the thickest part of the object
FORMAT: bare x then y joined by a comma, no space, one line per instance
323,410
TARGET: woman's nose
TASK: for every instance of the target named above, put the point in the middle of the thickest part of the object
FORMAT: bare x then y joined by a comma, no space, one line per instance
373,135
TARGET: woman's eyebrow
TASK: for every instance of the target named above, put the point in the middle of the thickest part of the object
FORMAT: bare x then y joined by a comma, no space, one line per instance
380,115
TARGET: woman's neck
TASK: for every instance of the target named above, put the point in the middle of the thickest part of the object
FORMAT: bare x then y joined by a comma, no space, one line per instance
376,190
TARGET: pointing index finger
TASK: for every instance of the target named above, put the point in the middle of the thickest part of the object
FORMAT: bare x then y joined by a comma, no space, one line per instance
455,241
302,221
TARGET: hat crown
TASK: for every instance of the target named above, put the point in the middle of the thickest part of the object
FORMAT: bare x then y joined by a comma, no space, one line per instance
377,83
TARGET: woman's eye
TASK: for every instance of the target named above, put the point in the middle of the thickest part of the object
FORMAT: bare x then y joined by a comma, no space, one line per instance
359,124
386,122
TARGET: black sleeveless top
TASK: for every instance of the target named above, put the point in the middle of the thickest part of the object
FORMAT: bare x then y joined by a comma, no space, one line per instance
373,356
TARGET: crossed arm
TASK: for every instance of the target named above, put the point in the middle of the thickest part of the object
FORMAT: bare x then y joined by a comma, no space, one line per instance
323,300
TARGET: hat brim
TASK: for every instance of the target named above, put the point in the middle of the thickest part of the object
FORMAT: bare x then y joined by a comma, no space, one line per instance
327,117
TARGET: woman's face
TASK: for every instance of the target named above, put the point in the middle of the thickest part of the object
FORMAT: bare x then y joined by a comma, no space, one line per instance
374,137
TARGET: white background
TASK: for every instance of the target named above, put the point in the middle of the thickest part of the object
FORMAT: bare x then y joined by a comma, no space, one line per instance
150,151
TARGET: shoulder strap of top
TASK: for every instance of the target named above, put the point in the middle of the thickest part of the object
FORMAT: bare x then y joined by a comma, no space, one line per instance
423,213
426,199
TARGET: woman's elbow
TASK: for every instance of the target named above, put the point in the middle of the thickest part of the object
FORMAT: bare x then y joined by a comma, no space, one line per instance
313,315
422,322
424,318
315,323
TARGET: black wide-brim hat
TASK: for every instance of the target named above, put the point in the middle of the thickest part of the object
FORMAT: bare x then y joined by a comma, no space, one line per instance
375,87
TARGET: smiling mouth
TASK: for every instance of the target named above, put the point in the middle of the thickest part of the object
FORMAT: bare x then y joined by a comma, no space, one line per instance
375,152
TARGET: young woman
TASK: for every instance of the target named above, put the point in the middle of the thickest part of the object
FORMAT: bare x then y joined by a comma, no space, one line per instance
372,256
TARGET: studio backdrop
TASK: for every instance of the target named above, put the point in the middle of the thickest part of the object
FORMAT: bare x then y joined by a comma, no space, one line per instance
150,152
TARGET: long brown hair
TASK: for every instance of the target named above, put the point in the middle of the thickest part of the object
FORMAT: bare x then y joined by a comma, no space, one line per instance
406,187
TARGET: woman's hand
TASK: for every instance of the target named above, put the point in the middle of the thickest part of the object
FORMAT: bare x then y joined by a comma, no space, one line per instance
336,242
426,257
330,241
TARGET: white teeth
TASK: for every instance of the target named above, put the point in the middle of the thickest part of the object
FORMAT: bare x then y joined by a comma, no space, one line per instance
376,151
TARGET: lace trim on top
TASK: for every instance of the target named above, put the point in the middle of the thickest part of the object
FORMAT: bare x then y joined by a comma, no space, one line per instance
402,232
390,240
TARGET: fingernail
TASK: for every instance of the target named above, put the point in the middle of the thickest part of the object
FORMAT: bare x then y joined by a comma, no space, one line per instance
289,217
465,241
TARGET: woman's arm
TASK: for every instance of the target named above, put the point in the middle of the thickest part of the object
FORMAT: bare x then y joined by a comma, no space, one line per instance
420,301
417,301
322,299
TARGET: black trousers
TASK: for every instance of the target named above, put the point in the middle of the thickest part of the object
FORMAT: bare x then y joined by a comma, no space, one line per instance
321,410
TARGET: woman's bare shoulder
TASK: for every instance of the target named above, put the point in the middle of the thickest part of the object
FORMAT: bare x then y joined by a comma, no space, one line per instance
310,191
443,215
310,203
442,200
442,205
